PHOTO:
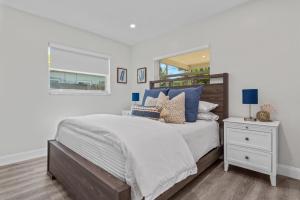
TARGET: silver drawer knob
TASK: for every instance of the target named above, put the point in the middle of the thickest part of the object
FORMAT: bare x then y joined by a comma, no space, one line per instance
246,127
247,157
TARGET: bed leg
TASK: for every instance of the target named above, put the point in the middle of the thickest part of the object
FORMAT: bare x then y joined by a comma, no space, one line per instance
51,176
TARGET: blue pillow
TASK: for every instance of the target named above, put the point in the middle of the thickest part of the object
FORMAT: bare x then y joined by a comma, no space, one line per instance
154,93
192,98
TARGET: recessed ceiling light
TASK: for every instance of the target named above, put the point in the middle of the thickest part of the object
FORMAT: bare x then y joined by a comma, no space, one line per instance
132,26
203,56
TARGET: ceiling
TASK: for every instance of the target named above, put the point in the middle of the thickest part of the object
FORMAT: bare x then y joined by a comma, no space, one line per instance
186,61
111,18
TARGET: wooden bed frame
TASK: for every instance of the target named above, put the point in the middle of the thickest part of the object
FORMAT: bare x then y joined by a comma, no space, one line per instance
84,180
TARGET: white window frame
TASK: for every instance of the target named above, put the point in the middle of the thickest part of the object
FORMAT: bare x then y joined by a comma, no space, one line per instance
79,92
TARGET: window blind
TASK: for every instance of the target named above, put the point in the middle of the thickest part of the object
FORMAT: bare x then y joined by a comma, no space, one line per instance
78,61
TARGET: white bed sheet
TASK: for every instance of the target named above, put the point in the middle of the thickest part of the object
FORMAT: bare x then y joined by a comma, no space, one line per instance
201,137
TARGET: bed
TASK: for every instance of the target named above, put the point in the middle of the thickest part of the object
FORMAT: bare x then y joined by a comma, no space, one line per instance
73,159
201,137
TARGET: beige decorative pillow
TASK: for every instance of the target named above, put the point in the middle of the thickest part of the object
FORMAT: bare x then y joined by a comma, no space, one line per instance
151,102
174,110
162,100
158,102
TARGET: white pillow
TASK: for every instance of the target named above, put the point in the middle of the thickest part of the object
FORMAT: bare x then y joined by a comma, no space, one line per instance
207,116
205,107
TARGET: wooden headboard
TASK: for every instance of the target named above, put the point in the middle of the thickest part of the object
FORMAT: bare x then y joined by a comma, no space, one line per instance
215,89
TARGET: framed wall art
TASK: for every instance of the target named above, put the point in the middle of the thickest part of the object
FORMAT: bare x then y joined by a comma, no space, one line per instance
122,75
142,75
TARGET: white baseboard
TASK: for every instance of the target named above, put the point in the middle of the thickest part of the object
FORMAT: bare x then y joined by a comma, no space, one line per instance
289,171
284,170
18,157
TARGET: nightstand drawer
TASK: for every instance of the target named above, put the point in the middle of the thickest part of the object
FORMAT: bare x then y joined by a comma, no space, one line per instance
249,158
249,127
247,138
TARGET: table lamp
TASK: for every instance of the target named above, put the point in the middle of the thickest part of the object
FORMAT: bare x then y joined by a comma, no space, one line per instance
135,97
250,96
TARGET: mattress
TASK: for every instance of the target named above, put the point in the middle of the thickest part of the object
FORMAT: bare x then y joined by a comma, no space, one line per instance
201,137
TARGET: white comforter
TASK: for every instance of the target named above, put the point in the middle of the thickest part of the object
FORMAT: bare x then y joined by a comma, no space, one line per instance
157,156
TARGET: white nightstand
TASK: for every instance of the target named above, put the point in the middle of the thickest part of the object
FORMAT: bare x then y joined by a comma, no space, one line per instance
251,145
126,112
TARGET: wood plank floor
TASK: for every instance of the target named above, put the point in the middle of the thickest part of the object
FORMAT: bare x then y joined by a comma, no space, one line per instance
28,181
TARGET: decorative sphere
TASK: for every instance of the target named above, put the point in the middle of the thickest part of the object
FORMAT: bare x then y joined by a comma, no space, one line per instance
263,116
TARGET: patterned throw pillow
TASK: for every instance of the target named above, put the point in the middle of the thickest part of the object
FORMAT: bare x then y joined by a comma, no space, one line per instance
162,100
192,97
154,93
144,111
159,102
174,110
151,101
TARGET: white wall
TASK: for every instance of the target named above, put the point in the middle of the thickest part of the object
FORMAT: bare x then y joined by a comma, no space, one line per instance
258,44
28,114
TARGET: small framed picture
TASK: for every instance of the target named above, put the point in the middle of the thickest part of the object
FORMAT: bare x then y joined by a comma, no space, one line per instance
142,75
122,75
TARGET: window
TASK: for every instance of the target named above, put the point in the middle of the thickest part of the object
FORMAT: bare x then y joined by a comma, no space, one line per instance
74,71
185,65
167,70
194,63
